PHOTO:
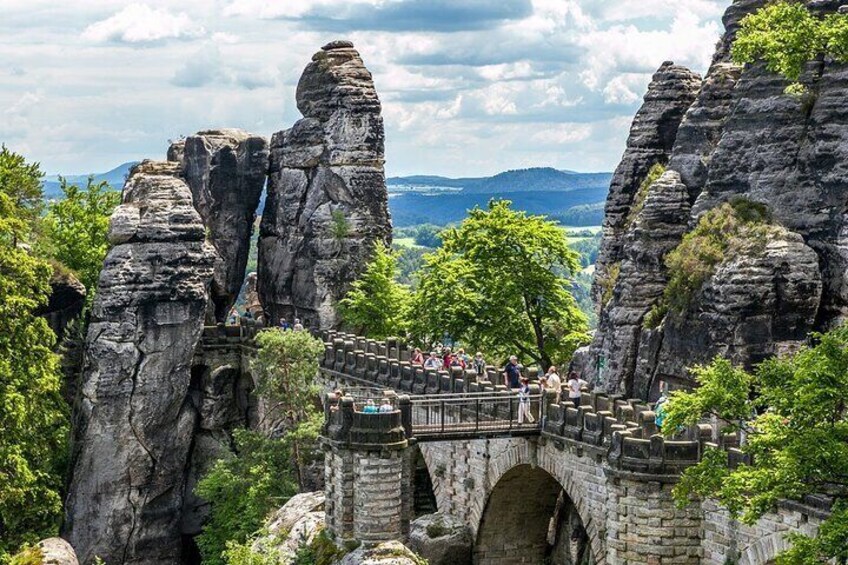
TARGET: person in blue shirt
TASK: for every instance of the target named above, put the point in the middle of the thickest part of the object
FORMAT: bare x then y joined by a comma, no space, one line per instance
512,373
370,408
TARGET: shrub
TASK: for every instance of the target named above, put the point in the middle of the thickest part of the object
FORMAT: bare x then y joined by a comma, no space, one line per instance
607,283
654,173
740,226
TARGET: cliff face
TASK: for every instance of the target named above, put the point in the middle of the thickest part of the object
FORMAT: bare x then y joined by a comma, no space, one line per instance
134,423
742,137
225,170
327,201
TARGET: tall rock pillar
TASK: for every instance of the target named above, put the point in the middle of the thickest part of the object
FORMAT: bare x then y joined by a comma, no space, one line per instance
327,201
225,170
134,424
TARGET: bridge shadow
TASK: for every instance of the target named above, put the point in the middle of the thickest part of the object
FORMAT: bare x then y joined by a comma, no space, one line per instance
529,518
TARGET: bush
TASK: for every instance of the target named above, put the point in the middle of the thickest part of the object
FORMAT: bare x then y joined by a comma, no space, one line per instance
654,173
724,232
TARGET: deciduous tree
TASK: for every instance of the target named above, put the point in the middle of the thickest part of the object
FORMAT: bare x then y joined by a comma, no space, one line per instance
502,281
794,411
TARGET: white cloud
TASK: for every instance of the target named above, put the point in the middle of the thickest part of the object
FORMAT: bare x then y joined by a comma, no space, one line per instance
563,134
139,23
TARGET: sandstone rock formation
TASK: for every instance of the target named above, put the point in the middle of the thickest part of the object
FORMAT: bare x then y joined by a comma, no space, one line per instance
743,137
652,135
388,553
225,169
133,425
56,551
297,522
441,539
327,199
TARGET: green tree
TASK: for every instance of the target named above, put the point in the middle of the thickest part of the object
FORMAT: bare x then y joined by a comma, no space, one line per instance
502,281
20,196
76,227
793,411
376,305
786,35
266,468
33,417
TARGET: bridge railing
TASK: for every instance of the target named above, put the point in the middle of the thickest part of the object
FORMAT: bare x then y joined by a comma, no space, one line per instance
448,415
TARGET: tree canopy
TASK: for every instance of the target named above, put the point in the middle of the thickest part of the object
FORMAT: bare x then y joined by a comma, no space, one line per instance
786,36
76,228
33,416
794,412
376,305
501,281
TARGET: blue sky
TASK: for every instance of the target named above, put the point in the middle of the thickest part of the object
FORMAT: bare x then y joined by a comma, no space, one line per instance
469,87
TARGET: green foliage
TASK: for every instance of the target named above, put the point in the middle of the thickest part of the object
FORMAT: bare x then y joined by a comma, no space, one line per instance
786,35
76,227
339,224
410,260
581,289
607,282
33,416
740,226
587,247
243,554
243,490
654,173
321,551
793,411
265,471
28,555
376,305
501,281
20,196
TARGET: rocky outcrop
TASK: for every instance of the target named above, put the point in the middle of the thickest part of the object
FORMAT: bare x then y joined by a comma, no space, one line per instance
756,305
295,524
441,539
652,136
56,551
134,423
66,302
252,305
226,170
656,230
327,199
743,137
387,553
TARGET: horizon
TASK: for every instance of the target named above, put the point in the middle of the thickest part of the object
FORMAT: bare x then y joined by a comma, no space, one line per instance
467,90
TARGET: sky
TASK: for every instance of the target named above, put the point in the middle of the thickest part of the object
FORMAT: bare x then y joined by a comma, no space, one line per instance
469,87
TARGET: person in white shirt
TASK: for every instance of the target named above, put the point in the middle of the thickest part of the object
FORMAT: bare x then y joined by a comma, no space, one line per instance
575,384
554,383
433,362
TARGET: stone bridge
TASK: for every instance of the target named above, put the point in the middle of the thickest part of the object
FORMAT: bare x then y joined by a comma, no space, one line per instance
591,484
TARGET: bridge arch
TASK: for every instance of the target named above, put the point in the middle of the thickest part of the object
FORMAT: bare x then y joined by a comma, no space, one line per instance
765,550
561,466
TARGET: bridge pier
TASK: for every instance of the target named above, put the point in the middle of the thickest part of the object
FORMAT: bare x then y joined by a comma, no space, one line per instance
369,473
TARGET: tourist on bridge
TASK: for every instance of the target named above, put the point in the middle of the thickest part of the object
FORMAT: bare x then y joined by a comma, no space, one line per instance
370,407
479,365
386,406
512,373
447,357
575,388
417,357
433,362
284,324
298,327
553,384
524,402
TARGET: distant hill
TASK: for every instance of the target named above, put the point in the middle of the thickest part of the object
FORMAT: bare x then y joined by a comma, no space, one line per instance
537,179
115,178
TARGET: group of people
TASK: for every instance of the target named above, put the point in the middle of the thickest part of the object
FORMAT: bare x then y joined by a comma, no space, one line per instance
444,357
370,407
286,326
